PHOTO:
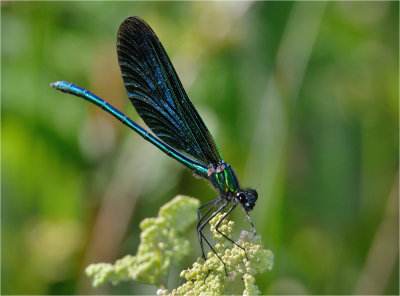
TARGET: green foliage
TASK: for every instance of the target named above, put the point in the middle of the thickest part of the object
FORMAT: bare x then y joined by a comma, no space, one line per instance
301,98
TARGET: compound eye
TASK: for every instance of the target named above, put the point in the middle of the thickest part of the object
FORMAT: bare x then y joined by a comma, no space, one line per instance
255,194
241,196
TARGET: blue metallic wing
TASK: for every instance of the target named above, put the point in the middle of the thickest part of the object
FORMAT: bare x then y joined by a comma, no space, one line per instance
158,95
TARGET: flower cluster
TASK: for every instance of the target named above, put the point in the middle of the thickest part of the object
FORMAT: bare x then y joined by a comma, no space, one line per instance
162,242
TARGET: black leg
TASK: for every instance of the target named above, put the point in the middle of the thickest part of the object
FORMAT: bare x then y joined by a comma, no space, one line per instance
228,238
208,273
200,237
251,222
205,205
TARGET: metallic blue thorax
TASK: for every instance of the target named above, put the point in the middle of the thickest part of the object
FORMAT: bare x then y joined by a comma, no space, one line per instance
223,178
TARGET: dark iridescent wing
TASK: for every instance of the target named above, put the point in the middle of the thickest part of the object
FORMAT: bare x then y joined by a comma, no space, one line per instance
158,95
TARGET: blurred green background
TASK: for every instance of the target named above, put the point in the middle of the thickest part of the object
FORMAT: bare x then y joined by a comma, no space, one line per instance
302,99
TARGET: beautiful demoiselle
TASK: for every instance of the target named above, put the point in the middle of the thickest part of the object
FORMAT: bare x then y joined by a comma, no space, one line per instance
178,130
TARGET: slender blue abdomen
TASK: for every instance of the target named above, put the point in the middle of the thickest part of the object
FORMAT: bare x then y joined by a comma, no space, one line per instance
73,89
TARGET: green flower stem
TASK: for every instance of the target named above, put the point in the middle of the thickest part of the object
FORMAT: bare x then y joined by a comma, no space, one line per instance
162,242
